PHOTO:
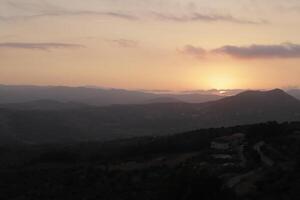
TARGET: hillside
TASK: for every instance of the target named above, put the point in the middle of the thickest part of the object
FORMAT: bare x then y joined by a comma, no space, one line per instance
256,162
93,96
44,105
123,121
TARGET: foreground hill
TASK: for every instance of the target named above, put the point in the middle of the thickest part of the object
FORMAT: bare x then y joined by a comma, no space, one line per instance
253,162
120,121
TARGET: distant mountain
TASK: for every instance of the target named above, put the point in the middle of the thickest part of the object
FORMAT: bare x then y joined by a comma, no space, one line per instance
121,121
196,97
295,93
163,100
255,106
43,105
92,96
258,101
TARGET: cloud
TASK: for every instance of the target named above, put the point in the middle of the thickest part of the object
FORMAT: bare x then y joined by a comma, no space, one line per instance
39,46
194,17
197,52
38,9
285,50
72,13
43,9
119,15
255,51
125,43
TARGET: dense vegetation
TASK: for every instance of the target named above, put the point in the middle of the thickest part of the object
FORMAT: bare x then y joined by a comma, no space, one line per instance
180,167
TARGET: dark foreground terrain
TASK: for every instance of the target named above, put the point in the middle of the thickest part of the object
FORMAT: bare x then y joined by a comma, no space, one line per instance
244,162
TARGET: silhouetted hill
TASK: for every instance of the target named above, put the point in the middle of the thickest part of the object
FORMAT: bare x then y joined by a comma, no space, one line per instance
273,97
258,101
163,100
252,162
122,121
254,106
44,105
295,93
91,96
196,97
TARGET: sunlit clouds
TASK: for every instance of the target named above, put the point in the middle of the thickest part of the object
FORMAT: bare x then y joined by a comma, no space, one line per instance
151,45
255,51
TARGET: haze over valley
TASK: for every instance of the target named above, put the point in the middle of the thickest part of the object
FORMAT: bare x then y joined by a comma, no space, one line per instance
62,114
149,100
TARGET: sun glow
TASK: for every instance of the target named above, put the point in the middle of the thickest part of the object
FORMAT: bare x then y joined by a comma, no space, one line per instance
221,81
222,92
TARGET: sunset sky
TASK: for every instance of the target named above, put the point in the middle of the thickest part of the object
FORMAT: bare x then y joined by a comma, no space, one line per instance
151,44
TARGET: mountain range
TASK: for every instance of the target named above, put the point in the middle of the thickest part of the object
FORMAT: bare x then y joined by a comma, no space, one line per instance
96,96
72,122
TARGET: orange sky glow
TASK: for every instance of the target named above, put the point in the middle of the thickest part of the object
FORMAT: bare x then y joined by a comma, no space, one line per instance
153,44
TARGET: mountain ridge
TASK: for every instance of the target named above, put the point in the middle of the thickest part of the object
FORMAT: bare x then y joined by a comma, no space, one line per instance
276,97
92,96
123,121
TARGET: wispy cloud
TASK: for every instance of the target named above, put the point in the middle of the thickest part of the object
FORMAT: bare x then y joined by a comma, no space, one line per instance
195,51
125,43
39,9
194,17
285,50
39,46
72,13
42,9
256,51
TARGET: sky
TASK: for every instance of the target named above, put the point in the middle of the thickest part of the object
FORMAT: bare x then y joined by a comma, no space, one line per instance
151,44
